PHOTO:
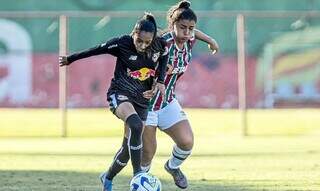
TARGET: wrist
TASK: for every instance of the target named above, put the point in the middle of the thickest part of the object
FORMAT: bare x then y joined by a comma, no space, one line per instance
212,41
160,81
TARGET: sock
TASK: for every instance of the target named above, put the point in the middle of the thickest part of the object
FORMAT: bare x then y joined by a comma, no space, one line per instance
120,160
177,157
146,168
135,141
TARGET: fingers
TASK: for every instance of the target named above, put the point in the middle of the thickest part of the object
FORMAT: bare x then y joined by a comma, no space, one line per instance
60,61
169,69
214,48
63,61
162,90
148,94
158,87
163,94
154,91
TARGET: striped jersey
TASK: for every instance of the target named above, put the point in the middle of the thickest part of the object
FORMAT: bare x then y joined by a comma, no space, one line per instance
178,61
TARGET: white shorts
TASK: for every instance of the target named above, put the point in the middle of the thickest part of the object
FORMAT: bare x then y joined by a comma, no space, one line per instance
167,116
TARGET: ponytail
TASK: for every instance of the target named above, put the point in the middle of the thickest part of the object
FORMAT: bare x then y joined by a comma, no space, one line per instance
147,23
184,4
151,19
180,11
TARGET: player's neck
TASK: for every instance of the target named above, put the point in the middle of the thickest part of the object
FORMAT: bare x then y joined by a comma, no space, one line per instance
179,43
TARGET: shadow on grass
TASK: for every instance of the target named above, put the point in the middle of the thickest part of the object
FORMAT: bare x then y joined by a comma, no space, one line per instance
234,154
85,181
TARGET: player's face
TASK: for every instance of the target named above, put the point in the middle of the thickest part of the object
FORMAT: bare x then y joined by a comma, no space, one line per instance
142,40
183,29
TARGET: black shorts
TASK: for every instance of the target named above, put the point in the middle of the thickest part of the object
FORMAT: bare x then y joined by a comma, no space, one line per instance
115,99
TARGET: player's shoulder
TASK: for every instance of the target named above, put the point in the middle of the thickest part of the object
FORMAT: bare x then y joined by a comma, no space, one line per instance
123,42
168,37
125,39
160,41
158,44
119,39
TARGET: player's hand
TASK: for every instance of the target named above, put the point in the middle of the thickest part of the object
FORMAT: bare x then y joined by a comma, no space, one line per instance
63,61
169,69
213,46
162,88
148,94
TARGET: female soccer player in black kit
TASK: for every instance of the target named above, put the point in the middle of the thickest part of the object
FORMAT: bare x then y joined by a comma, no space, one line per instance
141,60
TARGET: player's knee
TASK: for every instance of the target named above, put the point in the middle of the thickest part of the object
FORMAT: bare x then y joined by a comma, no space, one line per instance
135,124
186,143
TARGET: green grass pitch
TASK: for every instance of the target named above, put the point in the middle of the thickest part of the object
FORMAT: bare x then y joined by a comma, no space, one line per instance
283,153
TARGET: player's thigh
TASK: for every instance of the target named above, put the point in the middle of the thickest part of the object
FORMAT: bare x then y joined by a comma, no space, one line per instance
170,115
173,121
124,110
182,134
127,129
120,105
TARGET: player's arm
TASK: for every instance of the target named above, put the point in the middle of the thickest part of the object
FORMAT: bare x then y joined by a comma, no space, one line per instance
162,66
212,43
110,47
160,73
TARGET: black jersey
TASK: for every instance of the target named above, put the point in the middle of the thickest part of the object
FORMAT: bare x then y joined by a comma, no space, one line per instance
135,71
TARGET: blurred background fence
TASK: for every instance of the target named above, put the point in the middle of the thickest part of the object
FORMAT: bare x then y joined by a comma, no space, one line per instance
281,58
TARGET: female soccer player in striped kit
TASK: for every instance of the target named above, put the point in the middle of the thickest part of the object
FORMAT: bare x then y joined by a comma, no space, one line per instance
167,114
141,57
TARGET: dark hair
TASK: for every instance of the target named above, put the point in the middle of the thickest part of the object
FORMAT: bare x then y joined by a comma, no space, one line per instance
180,11
147,23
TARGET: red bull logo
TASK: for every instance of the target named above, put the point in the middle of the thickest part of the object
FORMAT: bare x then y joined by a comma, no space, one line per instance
142,74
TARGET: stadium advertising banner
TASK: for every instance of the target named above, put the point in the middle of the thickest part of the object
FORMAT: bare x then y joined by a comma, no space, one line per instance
29,71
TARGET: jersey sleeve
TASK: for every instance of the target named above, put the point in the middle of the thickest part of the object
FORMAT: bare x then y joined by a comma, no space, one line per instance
163,60
109,47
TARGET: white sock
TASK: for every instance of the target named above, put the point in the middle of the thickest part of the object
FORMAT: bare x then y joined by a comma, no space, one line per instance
146,168
177,157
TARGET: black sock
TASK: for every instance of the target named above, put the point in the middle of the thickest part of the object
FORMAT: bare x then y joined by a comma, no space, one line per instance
120,160
135,143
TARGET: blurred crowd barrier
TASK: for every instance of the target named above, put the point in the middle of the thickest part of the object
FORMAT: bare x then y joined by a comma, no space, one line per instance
281,48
